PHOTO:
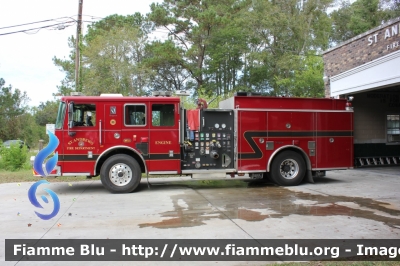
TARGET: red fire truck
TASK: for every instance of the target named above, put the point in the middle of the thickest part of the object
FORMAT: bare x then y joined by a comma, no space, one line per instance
120,138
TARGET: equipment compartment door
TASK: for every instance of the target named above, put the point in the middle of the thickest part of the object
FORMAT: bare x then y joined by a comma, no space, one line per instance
334,140
164,148
252,136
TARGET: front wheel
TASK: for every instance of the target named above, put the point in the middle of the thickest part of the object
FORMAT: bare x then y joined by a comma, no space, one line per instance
120,174
288,169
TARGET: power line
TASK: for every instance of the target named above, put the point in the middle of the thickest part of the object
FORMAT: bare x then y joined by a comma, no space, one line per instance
93,17
32,23
61,24
38,28
47,26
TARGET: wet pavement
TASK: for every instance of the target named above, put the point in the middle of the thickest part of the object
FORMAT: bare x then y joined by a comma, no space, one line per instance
256,201
352,204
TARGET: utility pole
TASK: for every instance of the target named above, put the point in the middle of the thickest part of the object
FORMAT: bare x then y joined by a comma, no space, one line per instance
77,48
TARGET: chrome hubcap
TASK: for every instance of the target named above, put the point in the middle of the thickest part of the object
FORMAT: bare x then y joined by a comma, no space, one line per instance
289,169
120,174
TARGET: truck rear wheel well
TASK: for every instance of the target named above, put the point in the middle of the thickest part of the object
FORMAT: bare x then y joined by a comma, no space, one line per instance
112,152
290,148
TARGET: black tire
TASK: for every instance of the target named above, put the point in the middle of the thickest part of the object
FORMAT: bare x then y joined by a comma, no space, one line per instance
120,174
288,169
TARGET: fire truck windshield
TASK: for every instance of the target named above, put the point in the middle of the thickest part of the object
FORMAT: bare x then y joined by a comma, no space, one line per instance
60,115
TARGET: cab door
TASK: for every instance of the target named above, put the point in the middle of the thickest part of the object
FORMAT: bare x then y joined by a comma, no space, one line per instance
111,125
135,129
164,148
81,139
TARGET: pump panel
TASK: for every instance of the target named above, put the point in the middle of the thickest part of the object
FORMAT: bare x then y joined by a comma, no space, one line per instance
212,145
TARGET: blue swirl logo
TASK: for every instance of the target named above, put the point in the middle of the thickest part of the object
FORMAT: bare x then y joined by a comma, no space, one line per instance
35,202
44,169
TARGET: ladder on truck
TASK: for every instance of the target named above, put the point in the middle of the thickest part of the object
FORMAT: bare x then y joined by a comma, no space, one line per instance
377,161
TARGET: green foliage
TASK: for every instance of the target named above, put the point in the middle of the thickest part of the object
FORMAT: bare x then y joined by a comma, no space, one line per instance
12,106
355,17
68,67
340,20
167,61
306,81
114,22
225,61
392,9
114,59
366,15
14,158
111,51
20,122
219,47
191,25
46,113
281,32
30,130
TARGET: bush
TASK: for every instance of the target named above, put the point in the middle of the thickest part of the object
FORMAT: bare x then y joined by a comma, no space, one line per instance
14,158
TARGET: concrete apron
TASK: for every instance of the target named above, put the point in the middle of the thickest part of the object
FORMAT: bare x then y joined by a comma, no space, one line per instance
351,204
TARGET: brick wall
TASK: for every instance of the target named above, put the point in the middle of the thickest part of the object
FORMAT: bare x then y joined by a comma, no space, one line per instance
362,49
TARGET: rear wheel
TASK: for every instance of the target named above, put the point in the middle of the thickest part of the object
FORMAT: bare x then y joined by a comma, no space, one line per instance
288,169
120,174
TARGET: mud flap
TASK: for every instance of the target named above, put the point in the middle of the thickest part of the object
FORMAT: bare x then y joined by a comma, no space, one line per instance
148,182
310,178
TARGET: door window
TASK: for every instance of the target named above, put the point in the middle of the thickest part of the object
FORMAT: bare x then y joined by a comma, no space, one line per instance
84,115
163,115
135,115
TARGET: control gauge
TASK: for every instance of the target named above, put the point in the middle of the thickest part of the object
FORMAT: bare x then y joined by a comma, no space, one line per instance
223,126
216,125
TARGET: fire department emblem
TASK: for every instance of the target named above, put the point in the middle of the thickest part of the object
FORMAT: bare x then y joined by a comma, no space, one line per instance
81,143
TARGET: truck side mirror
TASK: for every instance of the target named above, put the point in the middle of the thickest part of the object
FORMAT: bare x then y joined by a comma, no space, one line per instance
70,115
71,118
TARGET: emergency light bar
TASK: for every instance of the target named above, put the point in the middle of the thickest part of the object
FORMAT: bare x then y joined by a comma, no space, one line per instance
161,93
111,95
77,93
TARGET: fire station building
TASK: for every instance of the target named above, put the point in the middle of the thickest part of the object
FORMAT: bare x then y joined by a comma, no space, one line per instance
367,68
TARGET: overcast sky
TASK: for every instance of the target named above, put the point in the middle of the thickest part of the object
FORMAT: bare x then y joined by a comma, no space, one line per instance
26,59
